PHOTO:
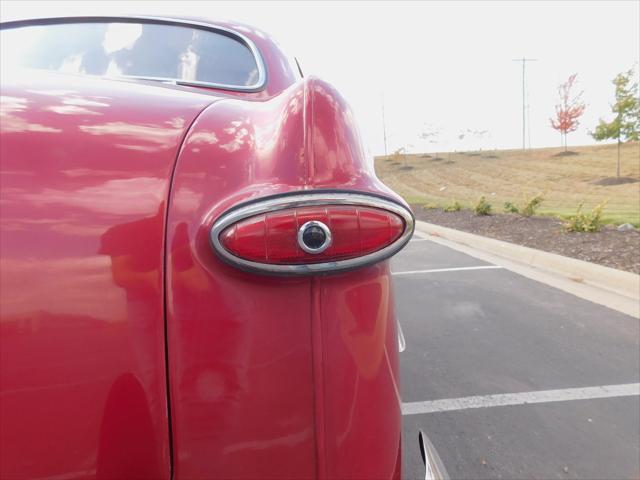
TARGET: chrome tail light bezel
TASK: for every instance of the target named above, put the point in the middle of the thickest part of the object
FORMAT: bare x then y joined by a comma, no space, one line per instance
305,199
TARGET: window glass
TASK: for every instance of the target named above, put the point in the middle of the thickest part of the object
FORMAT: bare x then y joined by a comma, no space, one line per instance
125,49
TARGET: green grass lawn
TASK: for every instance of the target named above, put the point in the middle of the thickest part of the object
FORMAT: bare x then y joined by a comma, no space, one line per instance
515,175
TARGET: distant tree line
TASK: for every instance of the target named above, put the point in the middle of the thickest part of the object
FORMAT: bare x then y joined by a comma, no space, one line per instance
624,127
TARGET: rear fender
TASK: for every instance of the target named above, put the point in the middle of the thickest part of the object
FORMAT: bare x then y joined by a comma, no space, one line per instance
355,332
295,376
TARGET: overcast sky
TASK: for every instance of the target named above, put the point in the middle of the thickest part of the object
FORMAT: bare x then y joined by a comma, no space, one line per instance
436,66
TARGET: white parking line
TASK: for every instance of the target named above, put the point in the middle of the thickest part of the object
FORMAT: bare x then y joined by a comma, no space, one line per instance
524,398
438,270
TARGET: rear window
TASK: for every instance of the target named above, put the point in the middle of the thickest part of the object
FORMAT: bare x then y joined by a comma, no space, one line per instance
157,51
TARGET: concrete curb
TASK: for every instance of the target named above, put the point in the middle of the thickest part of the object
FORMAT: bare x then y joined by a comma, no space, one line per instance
622,283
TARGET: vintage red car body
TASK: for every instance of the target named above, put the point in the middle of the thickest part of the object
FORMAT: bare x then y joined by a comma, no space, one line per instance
128,349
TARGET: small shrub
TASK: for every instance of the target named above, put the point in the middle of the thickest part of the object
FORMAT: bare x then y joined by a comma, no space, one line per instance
586,222
430,206
482,207
510,208
528,209
531,206
453,207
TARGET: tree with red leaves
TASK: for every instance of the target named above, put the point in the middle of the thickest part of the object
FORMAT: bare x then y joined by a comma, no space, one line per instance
569,110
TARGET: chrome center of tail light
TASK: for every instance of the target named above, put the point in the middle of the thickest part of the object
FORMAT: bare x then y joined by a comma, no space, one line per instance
311,232
314,237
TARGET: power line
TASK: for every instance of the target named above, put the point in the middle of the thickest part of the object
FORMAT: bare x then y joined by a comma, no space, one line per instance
524,62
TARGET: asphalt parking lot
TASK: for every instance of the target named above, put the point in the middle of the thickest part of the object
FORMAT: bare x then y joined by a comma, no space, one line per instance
572,365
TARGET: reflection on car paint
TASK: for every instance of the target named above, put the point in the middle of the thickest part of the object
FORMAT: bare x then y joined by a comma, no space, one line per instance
81,297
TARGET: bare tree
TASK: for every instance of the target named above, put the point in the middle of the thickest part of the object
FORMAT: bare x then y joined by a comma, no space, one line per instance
430,134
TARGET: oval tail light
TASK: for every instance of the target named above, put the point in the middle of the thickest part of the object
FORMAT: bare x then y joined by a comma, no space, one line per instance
311,233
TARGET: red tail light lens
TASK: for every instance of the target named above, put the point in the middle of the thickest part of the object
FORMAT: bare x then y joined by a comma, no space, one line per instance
273,237
312,233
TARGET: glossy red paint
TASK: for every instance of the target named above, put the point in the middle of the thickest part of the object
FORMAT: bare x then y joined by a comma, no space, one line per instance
281,377
84,177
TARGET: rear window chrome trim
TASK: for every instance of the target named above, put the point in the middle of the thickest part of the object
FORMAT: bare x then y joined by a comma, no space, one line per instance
273,204
260,84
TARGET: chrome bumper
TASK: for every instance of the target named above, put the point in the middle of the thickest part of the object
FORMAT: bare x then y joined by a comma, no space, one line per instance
433,466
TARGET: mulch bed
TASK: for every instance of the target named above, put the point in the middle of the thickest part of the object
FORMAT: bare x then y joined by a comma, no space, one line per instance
608,247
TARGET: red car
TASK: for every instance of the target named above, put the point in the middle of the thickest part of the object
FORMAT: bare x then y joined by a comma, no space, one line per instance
194,275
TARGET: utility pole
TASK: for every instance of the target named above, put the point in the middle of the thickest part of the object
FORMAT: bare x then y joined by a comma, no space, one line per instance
528,123
384,128
524,62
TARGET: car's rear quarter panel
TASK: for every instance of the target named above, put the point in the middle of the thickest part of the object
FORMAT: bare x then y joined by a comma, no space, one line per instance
273,376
